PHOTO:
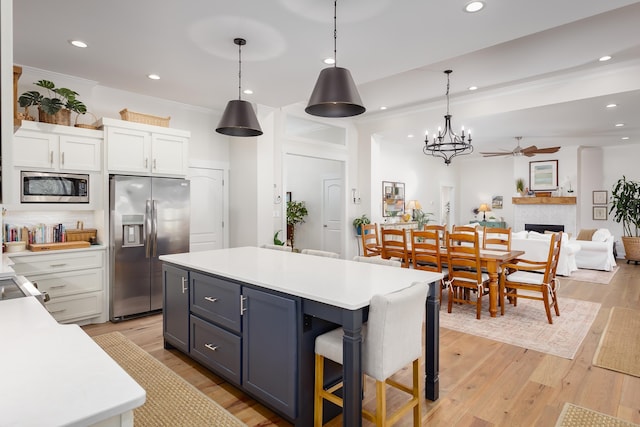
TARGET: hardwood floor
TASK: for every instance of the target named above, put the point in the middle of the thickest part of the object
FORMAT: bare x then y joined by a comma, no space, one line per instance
482,382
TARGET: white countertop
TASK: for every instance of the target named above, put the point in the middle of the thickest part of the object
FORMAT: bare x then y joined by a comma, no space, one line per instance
338,282
56,375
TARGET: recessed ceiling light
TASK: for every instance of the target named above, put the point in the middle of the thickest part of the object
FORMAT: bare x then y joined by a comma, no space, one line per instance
153,76
78,43
473,87
625,138
410,135
329,61
604,58
383,108
619,125
612,105
474,6
247,92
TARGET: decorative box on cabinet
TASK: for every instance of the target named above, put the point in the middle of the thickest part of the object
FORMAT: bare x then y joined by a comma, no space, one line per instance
144,149
74,280
57,148
493,224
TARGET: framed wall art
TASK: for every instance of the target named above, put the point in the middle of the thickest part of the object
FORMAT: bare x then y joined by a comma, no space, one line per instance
599,212
392,198
600,197
543,175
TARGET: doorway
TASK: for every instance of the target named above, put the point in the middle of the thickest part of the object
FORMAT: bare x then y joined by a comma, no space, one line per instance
447,205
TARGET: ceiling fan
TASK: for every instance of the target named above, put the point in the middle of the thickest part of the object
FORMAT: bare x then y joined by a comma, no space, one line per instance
519,151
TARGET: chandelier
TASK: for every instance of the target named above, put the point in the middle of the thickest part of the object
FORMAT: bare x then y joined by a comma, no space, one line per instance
447,144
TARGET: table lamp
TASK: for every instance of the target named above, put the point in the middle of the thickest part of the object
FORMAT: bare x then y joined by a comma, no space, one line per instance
413,205
484,208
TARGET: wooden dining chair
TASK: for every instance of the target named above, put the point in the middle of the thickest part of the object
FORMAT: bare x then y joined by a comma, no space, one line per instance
465,270
496,238
426,253
370,240
394,245
534,279
378,260
277,247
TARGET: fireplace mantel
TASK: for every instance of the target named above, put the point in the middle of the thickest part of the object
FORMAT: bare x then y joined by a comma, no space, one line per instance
544,200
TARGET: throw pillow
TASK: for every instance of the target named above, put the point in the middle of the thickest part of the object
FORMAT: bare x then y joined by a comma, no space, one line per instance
600,235
585,234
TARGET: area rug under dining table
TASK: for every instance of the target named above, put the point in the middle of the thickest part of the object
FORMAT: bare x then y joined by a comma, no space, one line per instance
526,325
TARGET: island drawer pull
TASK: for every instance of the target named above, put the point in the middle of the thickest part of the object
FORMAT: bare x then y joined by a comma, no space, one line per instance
211,347
58,286
211,299
57,265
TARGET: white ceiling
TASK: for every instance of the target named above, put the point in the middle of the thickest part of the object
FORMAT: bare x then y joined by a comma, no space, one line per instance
535,62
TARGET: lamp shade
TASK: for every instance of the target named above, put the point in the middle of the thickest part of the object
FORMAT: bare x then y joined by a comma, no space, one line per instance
239,119
335,95
484,208
413,204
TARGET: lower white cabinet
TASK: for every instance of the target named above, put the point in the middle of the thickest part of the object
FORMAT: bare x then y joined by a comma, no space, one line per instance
74,280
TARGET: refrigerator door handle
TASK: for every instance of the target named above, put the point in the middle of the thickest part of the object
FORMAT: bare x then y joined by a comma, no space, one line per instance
155,228
147,226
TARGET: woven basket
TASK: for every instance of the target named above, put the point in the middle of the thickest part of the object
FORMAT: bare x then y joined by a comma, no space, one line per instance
631,248
79,235
147,119
62,117
84,126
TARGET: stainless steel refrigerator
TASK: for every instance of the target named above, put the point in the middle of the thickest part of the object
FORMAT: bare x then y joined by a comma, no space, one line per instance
149,217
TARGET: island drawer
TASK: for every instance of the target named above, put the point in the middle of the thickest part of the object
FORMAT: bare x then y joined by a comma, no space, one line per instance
216,300
216,348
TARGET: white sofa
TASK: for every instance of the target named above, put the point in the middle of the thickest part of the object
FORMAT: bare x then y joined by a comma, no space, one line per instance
536,248
596,253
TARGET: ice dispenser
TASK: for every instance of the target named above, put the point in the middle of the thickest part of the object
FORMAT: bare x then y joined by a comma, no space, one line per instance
132,230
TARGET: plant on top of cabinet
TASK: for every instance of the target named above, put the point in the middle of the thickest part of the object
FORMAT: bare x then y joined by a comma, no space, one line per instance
56,107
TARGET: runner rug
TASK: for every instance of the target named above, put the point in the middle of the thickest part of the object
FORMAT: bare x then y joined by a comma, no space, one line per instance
577,416
171,401
619,347
526,325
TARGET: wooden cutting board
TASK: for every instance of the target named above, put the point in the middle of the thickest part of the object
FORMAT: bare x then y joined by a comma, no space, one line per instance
37,247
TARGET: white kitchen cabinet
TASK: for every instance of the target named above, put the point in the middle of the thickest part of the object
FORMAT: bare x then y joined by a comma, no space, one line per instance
57,148
74,280
134,148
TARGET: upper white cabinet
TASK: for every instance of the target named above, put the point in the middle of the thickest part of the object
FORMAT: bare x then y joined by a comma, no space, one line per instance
52,147
135,148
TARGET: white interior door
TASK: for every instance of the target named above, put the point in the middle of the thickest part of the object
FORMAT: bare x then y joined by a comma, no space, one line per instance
331,215
207,209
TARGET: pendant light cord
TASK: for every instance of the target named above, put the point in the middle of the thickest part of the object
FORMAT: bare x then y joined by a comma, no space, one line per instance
240,71
448,73
335,33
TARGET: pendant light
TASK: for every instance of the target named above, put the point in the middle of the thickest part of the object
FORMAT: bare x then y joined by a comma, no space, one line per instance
335,94
238,118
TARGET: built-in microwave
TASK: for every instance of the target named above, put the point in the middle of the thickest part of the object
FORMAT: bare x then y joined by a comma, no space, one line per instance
53,187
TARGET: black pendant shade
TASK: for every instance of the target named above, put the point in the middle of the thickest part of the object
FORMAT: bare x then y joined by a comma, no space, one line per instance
239,119
335,95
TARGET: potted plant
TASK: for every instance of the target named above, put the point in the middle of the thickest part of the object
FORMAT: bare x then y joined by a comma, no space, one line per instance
56,107
276,240
422,218
625,207
359,222
296,211
520,186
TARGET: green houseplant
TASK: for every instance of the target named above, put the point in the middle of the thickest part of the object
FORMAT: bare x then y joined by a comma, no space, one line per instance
358,222
296,211
520,185
625,207
422,218
56,106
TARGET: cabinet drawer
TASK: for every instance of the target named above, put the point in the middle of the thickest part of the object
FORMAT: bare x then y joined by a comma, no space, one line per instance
47,263
216,300
75,307
216,348
69,282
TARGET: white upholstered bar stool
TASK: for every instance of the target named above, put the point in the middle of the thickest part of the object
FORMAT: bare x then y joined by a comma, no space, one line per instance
277,247
391,339
317,252
377,260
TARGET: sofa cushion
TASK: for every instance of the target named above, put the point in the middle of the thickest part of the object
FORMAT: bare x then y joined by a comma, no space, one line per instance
600,235
586,234
519,234
539,236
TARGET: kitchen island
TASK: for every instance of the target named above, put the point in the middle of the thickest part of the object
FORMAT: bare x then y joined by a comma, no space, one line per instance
251,315
56,375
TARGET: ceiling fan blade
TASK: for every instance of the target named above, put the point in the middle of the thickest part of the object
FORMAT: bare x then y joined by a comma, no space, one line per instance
494,154
547,150
530,149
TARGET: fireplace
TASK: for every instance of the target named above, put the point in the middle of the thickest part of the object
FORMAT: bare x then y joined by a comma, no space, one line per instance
541,228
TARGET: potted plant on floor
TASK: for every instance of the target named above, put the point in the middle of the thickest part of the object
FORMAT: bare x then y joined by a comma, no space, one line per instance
625,207
359,222
57,106
296,211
